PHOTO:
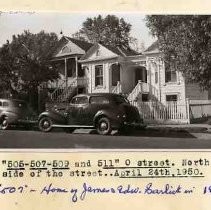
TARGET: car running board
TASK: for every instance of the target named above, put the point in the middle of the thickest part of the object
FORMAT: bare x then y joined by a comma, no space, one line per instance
72,126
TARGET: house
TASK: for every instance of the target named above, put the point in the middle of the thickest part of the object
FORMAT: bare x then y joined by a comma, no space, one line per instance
72,75
85,67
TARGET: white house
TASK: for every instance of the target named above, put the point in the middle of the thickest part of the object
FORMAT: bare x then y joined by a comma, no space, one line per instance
141,77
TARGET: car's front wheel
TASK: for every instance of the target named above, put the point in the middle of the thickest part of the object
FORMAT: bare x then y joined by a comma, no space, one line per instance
45,124
103,126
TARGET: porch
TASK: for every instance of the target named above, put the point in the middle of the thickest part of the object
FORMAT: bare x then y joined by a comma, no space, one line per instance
72,79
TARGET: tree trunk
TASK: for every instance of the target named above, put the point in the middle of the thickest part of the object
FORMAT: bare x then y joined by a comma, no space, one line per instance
33,98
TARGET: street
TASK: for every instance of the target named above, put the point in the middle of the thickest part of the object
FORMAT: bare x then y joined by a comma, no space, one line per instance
88,139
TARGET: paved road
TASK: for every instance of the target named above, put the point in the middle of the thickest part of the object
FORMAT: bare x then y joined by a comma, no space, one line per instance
88,139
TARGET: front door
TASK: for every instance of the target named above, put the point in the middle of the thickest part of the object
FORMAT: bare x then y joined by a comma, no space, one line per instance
115,74
140,74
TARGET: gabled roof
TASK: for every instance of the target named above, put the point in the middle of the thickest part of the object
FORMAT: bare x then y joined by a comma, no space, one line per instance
122,51
153,48
117,51
82,44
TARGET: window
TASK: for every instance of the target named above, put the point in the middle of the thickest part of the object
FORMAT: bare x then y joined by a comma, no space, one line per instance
99,75
0,103
80,100
156,77
170,74
99,100
171,97
145,97
66,49
98,53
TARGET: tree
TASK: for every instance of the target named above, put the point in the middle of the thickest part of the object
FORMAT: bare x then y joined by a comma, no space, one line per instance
110,31
185,41
25,62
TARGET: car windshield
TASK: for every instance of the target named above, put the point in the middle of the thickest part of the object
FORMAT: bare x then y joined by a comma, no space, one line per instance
19,104
120,99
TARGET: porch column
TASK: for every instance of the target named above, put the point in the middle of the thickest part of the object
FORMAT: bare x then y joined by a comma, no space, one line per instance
76,66
65,71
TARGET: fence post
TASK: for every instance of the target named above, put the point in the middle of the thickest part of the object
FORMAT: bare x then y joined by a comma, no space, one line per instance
188,110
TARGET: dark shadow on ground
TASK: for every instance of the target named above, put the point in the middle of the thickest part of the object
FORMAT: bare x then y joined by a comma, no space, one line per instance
147,132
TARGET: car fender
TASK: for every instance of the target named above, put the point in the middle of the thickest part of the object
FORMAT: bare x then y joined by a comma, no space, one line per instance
109,114
11,116
57,118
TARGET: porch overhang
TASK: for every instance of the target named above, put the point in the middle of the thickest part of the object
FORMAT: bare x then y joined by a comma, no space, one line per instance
69,56
99,59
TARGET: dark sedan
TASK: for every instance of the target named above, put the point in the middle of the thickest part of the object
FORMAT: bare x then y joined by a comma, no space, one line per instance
103,111
16,112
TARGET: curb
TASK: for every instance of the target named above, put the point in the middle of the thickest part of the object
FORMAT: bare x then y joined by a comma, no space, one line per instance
179,129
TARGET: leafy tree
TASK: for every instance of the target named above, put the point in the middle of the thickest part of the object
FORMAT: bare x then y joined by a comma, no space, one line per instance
110,31
185,41
25,62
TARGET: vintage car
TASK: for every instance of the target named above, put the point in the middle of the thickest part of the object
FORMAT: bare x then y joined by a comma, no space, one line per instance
104,112
16,112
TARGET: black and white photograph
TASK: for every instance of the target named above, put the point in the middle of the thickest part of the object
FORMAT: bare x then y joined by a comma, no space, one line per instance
91,80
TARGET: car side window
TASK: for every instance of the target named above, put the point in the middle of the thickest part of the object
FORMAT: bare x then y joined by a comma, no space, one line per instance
0,103
98,100
80,100
5,103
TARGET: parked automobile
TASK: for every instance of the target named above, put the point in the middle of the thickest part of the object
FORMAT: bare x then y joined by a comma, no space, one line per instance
103,111
16,112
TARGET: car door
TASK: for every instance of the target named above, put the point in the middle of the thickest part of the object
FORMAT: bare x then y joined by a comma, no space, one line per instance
77,111
97,103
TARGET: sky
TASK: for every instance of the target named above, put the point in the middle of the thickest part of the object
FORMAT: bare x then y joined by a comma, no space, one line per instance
69,23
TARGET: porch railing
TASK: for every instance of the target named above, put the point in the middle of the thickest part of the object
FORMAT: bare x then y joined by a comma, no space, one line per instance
118,88
66,88
67,92
141,87
54,95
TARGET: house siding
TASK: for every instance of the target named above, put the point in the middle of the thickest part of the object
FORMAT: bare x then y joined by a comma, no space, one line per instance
193,92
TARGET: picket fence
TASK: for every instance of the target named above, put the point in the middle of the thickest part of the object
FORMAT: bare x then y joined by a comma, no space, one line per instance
169,113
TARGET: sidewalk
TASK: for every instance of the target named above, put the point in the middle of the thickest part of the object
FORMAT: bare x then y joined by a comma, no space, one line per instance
192,128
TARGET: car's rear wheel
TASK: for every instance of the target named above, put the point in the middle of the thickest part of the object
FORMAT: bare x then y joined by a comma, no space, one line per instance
45,124
103,126
4,124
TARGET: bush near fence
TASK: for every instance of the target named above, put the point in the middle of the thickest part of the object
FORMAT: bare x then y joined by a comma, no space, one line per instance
200,110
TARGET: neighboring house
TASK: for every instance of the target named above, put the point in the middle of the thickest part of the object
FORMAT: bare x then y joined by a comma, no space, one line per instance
170,84
72,75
